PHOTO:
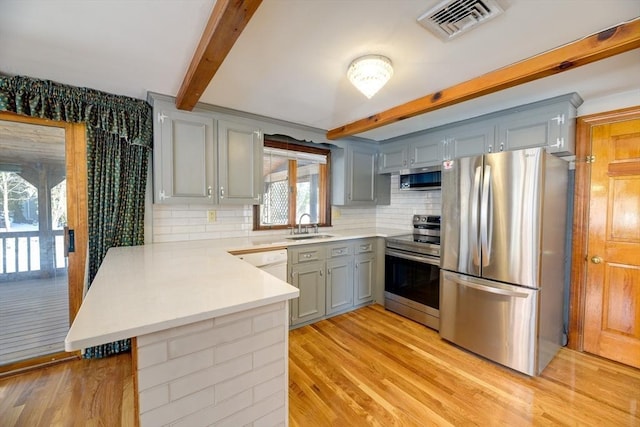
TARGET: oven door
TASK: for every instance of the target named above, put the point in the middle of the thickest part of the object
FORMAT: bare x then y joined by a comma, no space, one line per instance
412,286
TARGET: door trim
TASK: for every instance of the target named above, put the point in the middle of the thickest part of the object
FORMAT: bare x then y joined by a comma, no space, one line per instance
584,126
77,218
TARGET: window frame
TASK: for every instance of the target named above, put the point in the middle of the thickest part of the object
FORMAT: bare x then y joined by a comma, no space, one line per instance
323,179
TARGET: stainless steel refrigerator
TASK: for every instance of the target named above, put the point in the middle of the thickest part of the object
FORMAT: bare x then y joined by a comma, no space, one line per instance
503,252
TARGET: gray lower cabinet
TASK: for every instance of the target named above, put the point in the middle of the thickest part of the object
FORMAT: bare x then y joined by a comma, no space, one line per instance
364,271
184,156
332,278
240,150
339,277
309,279
339,285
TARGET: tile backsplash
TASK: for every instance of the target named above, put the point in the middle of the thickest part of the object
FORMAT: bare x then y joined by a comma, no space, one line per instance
189,222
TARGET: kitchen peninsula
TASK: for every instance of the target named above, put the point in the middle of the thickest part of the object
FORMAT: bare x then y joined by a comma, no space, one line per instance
211,331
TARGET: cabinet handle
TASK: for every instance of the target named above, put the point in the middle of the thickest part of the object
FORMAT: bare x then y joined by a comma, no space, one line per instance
328,272
559,143
365,247
307,255
222,192
320,273
404,163
209,191
412,161
559,118
490,148
502,146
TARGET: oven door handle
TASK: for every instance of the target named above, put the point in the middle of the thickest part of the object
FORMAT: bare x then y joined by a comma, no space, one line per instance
417,258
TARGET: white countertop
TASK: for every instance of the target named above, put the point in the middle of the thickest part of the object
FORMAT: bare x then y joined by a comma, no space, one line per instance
144,289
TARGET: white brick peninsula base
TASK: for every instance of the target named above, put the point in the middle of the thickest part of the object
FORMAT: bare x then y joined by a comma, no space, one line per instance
210,333
226,371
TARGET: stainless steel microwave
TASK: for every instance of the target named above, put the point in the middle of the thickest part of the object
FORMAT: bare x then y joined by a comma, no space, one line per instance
428,178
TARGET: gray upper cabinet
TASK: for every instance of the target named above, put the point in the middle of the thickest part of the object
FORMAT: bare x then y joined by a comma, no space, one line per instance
201,159
355,180
425,149
468,140
393,157
427,152
184,156
240,149
550,125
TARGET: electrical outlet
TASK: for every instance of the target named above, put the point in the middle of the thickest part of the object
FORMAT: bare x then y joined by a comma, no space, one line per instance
335,212
211,217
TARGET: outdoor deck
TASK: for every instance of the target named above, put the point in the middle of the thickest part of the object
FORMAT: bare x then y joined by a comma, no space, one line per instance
34,318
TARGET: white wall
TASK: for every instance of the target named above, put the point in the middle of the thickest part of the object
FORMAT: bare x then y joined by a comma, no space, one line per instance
189,222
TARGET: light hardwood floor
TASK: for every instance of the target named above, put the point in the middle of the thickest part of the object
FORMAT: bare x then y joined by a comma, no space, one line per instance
372,367
367,367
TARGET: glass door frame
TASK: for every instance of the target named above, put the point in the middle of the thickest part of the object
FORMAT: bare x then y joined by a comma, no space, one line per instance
77,220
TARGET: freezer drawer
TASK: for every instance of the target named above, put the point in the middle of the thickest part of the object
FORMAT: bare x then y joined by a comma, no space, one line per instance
491,319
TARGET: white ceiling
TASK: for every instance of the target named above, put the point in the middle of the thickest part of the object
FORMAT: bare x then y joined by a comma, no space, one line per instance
290,62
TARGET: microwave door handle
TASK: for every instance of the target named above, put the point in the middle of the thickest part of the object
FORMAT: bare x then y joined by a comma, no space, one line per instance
475,195
486,218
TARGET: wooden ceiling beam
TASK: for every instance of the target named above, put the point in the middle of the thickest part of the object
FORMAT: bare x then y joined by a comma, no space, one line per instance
607,43
228,19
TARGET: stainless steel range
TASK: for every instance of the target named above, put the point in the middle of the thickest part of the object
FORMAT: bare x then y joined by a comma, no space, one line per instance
412,272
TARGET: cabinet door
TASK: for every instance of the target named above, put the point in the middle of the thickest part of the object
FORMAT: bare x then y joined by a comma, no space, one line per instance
393,158
426,153
365,268
184,157
339,284
362,174
240,164
469,140
309,279
541,127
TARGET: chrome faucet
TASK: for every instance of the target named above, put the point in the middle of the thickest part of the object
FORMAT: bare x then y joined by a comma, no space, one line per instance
300,222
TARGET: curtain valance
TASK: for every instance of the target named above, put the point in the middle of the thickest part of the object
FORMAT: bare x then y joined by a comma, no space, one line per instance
129,118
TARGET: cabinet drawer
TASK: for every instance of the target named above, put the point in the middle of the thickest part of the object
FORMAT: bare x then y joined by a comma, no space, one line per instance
307,255
365,246
335,251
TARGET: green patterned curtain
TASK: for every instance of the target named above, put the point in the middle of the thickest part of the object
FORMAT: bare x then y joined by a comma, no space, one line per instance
119,138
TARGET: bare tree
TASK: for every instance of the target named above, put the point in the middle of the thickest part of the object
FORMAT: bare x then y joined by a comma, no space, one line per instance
59,205
13,188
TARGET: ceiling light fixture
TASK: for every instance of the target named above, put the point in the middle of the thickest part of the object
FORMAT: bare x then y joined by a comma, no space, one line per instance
369,73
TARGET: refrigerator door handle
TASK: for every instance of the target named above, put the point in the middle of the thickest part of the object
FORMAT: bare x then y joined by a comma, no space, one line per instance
486,218
491,289
474,215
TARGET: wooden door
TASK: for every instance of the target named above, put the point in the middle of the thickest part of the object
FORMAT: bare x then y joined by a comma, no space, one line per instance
612,297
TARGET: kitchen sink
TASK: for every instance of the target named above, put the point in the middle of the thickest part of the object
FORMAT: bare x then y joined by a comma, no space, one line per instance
308,236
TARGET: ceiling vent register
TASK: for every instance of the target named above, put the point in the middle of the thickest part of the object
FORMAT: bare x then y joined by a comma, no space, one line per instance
451,18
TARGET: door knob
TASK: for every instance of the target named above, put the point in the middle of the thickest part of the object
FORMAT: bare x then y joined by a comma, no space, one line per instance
596,259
